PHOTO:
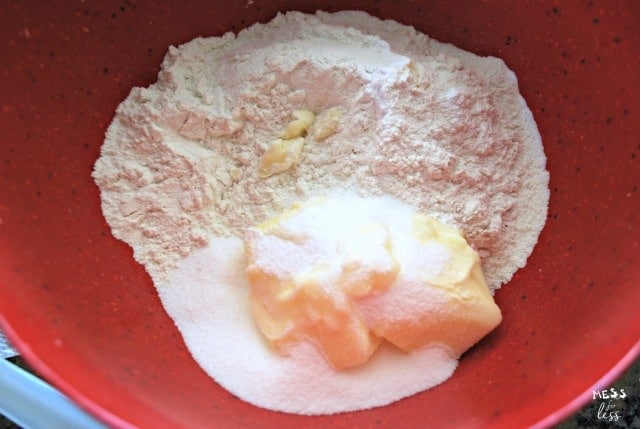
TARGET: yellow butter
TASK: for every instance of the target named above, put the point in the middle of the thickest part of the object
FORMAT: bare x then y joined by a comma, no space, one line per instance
469,311
280,156
298,127
312,269
328,124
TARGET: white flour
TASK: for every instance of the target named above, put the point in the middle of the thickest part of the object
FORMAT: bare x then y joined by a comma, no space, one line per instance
431,125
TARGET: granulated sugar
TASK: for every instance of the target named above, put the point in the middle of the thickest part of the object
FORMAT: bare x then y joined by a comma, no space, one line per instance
423,122
220,333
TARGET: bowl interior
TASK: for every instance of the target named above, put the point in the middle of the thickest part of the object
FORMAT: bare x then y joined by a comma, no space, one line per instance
87,317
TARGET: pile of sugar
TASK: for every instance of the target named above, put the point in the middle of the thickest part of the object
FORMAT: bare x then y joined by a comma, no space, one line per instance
424,122
217,326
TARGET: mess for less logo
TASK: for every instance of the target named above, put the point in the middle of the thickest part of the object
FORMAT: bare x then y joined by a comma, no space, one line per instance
609,394
607,410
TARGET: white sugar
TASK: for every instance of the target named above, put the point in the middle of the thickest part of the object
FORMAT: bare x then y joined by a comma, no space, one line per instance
222,337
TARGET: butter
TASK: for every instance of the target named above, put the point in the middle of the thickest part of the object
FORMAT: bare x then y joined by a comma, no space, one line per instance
467,311
330,271
280,156
298,127
327,124
286,151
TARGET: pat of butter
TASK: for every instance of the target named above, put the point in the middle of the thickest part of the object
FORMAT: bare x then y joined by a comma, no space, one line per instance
338,272
451,306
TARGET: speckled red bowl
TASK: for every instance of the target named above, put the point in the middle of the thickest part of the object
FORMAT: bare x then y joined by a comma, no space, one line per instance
87,317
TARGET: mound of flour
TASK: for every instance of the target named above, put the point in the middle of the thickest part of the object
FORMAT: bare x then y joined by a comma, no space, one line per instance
421,121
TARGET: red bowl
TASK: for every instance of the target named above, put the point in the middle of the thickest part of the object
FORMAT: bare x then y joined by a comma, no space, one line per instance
87,317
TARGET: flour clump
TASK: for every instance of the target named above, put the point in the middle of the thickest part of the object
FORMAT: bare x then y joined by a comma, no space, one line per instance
219,144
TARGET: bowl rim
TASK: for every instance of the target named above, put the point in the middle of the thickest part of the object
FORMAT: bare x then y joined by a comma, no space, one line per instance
583,398
112,420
